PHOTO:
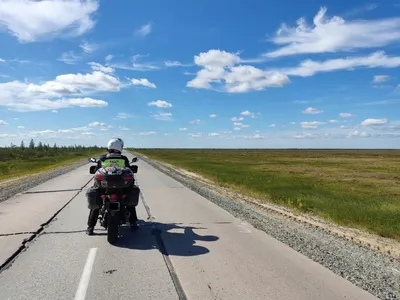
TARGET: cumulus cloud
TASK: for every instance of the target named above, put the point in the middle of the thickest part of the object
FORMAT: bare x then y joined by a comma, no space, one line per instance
221,67
247,113
214,134
334,35
163,116
374,122
3,122
183,129
160,104
272,125
195,134
122,116
51,95
213,115
143,82
312,111
380,78
99,67
345,115
2,60
30,21
313,124
235,119
144,30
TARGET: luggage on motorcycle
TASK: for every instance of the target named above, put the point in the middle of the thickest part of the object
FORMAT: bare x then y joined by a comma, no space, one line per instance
132,198
93,198
113,177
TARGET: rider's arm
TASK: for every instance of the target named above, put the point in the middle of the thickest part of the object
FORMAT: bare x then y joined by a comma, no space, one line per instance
127,163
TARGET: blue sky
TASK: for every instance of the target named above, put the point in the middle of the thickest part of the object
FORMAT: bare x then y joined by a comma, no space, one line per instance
205,74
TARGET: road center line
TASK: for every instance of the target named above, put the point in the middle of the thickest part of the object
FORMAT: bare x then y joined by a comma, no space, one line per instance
85,278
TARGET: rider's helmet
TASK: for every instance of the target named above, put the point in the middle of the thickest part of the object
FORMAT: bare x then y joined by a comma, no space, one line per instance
115,145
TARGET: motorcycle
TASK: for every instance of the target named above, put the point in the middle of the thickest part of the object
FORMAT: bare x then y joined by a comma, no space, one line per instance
112,183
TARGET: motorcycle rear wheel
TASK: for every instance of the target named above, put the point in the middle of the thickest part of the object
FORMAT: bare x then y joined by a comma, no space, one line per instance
112,228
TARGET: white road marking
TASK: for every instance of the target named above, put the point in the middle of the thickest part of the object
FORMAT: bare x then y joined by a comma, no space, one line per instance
85,278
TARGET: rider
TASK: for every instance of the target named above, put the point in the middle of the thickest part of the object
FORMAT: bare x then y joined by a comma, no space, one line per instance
114,149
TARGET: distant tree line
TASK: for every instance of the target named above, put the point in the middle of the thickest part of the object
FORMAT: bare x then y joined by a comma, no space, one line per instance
40,149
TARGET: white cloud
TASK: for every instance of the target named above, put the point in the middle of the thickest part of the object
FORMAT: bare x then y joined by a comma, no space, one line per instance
345,115
97,124
121,116
196,134
195,121
380,78
50,95
333,121
3,122
124,128
237,128
31,21
160,103
292,123
249,114
312,111
144,30
237,124
109,57
272,125
21,127
88,133
163,116
99,67
2,60
220,66
255,137
148,133
169,63
54,111
214,134
313,124
234,119
377,59
143,82
88,47
213,115
183,129
70,58
374,122
334,35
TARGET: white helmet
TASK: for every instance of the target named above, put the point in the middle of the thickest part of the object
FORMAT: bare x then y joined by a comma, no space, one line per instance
115,144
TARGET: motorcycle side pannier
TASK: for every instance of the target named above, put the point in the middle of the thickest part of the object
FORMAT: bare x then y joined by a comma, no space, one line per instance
93,198
133,197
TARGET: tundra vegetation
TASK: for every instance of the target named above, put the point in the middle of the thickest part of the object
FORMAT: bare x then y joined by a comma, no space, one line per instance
354,188
16,161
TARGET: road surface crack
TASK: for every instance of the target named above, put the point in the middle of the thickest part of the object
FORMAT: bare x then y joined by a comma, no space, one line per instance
163,250
9,261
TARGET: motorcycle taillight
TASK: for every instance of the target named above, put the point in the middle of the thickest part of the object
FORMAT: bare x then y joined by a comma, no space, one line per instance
99,177
113,197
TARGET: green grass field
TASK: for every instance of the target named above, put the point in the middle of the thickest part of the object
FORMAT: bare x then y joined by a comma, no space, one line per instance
356,188
20,161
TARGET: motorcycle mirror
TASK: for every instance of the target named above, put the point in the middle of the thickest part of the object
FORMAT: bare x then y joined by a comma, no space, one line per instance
92,159
135,159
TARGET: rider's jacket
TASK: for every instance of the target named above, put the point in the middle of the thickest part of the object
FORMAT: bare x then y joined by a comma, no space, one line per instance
112,159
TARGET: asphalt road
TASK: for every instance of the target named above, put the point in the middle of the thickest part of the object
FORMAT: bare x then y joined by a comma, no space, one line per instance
186,248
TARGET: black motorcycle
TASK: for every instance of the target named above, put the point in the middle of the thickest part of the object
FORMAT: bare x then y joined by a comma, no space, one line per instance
117,189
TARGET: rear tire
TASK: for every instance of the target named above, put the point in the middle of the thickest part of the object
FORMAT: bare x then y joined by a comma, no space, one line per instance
112,230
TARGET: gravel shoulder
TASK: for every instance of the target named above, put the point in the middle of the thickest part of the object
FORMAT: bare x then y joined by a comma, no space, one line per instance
352,254
10,188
